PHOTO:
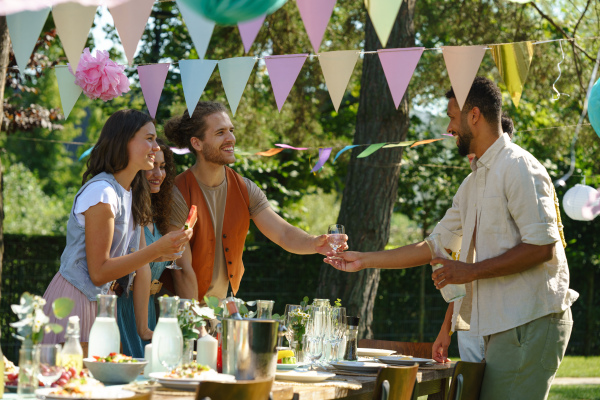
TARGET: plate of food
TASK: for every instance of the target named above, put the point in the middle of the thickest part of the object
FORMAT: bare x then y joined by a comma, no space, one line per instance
286,360
405,360
358,366
83,388
115,368
303,376
189,375
366,352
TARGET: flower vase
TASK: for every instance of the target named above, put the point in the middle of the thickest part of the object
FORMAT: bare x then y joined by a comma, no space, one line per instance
188,351
298,347
29,364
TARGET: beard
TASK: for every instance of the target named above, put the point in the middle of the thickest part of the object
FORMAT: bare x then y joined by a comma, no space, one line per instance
464,140
213,155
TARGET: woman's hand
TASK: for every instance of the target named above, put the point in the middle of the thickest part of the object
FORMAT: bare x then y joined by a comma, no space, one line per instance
349,261
173,242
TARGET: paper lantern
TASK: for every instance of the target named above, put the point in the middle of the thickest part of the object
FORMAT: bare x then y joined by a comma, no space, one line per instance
230,12
594,107
577,200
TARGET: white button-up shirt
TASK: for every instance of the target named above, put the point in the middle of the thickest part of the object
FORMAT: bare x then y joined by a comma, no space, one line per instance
509,196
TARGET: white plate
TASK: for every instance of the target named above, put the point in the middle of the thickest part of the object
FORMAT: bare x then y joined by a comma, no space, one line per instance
190,383
289,367
405,360
100,393
365,352
358,366
308,376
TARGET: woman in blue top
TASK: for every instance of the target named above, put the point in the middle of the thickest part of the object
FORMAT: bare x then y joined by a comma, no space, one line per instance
103,231
161,179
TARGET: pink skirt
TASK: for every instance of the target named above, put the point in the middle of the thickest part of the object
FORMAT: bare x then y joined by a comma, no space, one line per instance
85,309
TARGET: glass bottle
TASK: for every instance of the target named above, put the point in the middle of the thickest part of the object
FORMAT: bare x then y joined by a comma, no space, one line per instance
104,335
449,292
232,307
321,303
72,353
167,326
351,353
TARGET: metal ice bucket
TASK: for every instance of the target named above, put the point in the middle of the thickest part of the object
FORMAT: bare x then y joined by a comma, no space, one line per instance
249,348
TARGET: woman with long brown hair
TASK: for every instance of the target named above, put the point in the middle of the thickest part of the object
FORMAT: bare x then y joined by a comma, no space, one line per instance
104,241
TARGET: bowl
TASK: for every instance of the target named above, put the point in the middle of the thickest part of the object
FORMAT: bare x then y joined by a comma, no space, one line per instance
115,372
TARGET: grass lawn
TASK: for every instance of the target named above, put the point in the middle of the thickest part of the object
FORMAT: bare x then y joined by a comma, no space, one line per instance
579,367
575,392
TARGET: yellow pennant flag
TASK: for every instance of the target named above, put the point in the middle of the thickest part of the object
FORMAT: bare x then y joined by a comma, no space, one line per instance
270,152
513,61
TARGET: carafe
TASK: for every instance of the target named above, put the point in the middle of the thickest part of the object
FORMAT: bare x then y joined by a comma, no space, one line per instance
450,292
104,335
167,326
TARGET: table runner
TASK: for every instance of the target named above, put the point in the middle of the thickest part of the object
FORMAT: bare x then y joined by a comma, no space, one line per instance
336,382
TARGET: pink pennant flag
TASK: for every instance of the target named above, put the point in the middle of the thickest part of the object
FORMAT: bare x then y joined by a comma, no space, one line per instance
462,63
152,81
249,30
130,20
315,14
399,66
283,71
323,157
287,146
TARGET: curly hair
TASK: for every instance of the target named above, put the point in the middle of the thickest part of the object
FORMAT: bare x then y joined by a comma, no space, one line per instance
163,200
181,129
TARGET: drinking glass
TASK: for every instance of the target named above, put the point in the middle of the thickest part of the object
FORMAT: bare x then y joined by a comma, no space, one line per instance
315,332
289,323
49,370
336,238
337,330
170,351
264,309
173,264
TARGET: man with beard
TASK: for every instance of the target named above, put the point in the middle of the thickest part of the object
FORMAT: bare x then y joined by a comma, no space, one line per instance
226,202
504,218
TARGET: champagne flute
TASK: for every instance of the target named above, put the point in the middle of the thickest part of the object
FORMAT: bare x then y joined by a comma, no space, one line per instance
336,238
49,371
173,264
338,328
170,351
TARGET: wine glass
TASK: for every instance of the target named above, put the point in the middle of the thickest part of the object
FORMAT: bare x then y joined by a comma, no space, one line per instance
170,351
49,370
336,238
337,330
173,264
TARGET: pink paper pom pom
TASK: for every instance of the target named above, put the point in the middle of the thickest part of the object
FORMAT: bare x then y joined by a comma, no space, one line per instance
100,77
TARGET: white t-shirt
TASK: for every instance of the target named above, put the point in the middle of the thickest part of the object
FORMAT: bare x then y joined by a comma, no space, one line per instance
102,192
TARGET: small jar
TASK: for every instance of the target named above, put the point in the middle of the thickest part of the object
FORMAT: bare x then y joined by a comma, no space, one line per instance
351,339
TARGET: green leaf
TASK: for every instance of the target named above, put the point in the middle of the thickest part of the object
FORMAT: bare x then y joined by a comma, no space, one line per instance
62,307
56,328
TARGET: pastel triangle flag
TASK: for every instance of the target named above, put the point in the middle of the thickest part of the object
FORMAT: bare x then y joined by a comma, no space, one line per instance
234,75
24,29
337,69
343,150
462,63
287,146
401,144
371,149
68,90
130,20
199,27
513,61
283,71
420,142
398,67
249,30
270,152
315,14
323,157
383,15
194,77
73,23
152,81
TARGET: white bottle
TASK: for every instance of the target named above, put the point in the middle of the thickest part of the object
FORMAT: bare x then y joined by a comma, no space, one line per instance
104,335
168,327
206,348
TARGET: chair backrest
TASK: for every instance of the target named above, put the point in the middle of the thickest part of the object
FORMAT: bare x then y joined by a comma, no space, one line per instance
247,390
469,386
401,382
415,349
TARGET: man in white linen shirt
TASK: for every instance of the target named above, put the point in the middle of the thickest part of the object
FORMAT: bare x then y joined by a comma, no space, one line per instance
504,218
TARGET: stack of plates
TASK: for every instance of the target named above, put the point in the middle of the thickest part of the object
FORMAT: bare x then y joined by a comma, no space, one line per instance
365,352
358,366
190,383
303,376
405,360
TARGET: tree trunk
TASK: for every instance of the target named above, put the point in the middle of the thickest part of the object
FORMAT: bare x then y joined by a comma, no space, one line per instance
372,183
4,52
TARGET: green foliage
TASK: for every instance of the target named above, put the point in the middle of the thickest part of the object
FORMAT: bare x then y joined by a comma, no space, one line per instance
573,392
579,367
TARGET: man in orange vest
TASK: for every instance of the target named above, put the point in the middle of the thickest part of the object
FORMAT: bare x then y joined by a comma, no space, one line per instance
226,202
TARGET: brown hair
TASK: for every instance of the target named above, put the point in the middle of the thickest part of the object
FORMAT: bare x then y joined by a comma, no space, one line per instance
110,155
181,129
163,200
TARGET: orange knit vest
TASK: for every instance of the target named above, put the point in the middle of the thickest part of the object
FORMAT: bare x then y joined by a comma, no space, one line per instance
235,228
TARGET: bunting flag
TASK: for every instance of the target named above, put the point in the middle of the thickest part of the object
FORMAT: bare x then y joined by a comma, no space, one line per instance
68,90
8,7
383,15
513,61
371,149
398,67
337,69
269,153
199,27
24,29
401,144
315,15
180,151
194,77
283,72
234,75
249,30
323,157
287,146
344,149
420,142
462,63
152,81
73,23
130,21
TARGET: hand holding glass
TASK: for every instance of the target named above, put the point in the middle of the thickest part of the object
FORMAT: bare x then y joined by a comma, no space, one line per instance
173,264
336,238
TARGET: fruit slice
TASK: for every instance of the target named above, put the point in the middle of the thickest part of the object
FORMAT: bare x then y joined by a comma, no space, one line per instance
192,217
284,354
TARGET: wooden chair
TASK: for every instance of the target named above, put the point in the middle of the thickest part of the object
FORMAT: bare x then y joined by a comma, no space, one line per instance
466,381
140,396
247,390
397,383
415,349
